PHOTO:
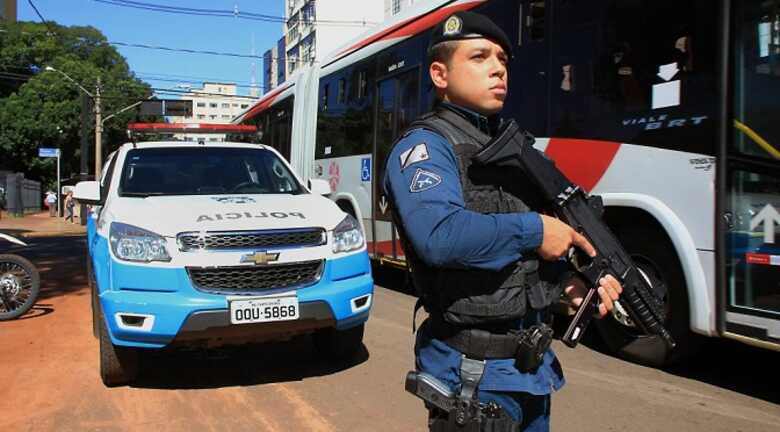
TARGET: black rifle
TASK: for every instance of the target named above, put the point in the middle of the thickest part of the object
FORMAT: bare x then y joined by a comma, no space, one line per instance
514,149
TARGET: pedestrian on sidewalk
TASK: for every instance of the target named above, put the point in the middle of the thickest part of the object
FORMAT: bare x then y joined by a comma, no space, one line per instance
70,204
51,203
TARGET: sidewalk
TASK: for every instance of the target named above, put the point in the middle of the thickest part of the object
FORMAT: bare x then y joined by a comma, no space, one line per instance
40,225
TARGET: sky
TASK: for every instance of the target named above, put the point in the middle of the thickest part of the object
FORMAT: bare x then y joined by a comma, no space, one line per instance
137,26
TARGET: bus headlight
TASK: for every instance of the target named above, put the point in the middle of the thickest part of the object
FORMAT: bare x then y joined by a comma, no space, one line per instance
347,236
131,243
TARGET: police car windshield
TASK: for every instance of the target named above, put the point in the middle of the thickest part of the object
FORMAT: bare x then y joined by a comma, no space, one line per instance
205,171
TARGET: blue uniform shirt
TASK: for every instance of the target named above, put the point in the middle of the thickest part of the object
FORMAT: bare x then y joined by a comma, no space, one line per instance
423,179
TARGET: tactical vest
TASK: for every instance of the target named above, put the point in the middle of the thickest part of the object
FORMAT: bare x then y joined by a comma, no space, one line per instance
473,297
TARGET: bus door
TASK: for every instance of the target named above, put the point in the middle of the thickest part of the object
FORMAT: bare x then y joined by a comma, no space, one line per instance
397,106
750,186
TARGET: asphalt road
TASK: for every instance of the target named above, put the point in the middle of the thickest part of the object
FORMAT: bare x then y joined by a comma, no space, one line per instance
49,379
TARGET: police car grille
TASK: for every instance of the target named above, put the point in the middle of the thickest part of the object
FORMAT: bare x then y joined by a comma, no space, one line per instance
247,279
251,239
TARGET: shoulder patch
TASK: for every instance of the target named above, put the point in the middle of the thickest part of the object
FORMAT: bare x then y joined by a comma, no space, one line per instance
415,154
424,180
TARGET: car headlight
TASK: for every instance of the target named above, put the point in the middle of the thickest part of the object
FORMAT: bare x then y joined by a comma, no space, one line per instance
347,235
131,243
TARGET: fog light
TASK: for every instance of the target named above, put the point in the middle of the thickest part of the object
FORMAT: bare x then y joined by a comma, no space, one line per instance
137,322
361,303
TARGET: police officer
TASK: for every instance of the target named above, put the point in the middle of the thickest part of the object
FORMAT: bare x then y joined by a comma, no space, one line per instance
486,266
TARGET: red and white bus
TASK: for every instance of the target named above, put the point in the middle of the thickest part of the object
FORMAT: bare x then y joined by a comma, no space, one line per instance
668,109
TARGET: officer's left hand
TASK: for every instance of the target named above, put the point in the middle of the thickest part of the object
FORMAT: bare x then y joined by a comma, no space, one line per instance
609,290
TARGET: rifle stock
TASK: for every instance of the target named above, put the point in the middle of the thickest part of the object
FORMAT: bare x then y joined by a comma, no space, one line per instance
512,148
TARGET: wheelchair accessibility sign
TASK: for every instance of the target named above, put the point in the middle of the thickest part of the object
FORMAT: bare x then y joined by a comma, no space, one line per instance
365,169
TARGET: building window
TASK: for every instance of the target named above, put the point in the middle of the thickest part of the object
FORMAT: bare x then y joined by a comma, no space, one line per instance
213,105
225,117
201,104
235,105
225,105
244,106
213,116
201,116
396,6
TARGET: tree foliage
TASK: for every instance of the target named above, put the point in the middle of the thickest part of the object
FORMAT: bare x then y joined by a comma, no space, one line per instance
40,108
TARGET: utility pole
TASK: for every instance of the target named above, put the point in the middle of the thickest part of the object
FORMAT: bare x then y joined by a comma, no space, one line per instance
98,134
84,169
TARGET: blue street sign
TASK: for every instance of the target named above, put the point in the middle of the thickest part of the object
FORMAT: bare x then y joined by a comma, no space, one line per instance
48,152
365,169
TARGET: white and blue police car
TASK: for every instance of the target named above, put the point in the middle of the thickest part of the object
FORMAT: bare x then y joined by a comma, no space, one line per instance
203,244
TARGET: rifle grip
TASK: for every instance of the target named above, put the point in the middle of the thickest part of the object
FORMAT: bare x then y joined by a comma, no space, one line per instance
581,319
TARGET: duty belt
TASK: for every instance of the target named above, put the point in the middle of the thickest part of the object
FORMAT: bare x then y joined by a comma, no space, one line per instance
526,346
481,345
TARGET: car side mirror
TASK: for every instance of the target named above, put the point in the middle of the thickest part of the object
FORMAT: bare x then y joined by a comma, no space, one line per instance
87,192
319,187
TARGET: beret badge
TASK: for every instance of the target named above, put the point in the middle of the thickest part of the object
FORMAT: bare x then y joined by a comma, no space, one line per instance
452,26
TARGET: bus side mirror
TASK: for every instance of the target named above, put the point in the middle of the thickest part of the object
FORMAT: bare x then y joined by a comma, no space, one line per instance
87,192
319,187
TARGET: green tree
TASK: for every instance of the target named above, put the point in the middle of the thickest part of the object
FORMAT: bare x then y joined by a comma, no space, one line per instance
43,109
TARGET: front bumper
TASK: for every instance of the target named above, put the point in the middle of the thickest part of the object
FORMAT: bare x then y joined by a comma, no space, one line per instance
175,313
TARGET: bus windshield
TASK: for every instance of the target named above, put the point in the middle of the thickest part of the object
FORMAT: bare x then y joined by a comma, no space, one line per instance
205,171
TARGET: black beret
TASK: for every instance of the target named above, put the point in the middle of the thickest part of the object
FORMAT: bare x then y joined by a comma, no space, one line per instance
469,25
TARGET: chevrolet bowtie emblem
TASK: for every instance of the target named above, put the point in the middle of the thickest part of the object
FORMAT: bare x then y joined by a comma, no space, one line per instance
260,258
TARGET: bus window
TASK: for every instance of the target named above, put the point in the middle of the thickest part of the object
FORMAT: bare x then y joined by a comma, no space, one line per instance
344,127
757,75
640,72
753,182
534,20
753,242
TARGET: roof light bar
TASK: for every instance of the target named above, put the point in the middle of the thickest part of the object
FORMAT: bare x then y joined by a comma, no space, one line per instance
191,128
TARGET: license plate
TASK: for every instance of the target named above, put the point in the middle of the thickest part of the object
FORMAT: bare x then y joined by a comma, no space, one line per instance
264,309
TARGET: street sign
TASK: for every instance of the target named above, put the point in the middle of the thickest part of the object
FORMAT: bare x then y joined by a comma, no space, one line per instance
167,107
48,152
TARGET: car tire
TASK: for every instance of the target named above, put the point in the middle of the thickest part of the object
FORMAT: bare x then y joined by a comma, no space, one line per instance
118,365
95,301
655,257
339,344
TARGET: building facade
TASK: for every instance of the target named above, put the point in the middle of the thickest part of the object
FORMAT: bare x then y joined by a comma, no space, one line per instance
8,10
214,103
394,7
314,28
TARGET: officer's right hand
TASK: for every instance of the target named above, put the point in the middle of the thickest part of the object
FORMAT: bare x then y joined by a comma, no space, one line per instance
558,238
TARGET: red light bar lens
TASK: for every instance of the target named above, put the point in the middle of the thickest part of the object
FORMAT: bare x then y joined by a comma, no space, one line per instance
190,127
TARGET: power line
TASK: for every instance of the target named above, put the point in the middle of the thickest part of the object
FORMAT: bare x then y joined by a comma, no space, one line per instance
184,50
149,78
191,77
185,81
43,20
224,13
13,78
216,53
187,50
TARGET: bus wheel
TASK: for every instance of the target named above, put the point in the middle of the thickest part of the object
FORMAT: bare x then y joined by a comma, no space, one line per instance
658,263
